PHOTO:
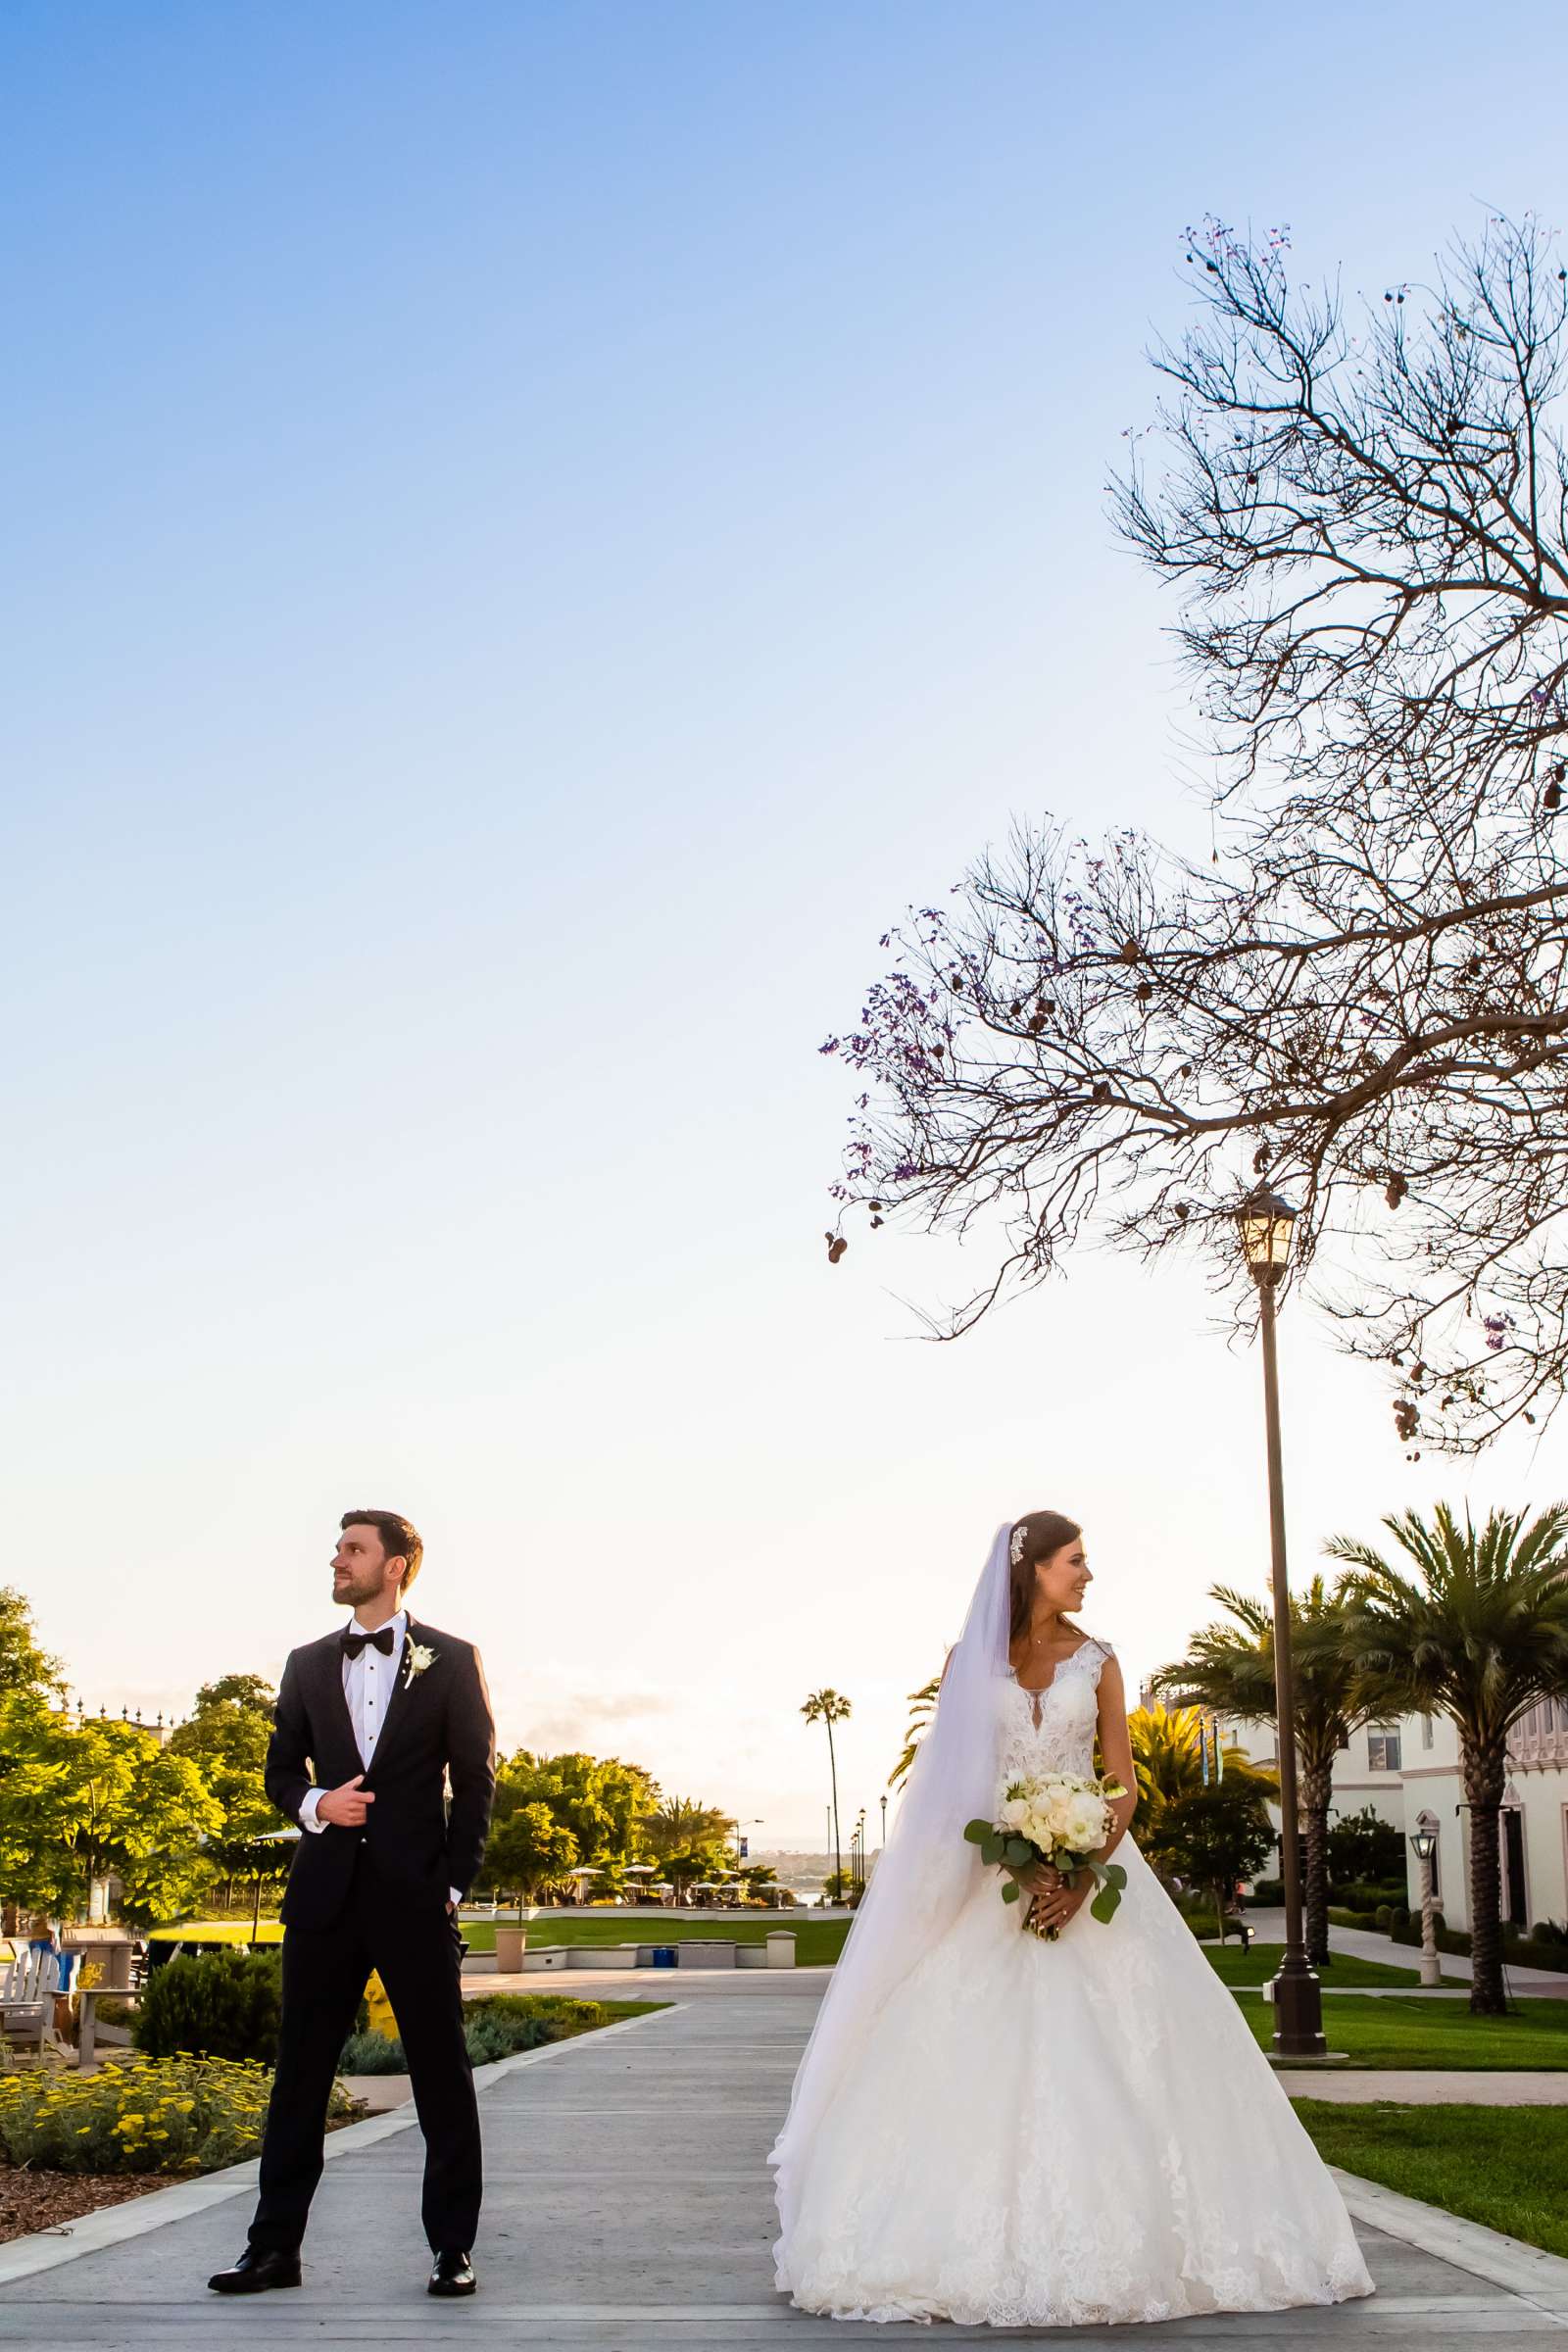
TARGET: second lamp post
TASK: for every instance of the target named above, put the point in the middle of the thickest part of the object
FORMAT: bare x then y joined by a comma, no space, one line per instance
1267,1223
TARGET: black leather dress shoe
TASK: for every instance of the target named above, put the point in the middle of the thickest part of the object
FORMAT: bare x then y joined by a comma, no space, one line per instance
453,2273
255,2272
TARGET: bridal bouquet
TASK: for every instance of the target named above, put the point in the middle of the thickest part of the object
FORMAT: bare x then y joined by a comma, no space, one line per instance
1059,1820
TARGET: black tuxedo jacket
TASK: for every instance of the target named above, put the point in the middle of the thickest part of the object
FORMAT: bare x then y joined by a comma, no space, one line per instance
437,1733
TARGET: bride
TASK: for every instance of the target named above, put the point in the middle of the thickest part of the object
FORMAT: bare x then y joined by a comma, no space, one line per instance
992,2128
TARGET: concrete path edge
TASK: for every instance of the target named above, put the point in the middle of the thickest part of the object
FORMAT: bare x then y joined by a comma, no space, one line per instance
1529,2272
47,2249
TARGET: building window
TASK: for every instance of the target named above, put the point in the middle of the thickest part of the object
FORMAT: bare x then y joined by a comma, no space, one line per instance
1383,1751
1426,1731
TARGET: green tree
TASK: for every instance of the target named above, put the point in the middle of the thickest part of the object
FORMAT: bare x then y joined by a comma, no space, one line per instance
828,1707
1168,1762
1230,1668
139,1813
677,1824
1167,1746
694,1864
1475,1628
24,1665
1219,1836
250,1691
37,1801
1362,1846
85,1801
600,1799
226,1735
526,1850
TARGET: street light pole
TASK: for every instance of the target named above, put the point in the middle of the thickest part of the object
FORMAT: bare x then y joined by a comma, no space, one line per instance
1266,1222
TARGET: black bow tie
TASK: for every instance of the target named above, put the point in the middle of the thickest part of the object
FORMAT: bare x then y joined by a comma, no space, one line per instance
351,1645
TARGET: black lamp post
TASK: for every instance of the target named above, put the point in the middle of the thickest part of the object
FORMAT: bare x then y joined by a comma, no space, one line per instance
1267,1223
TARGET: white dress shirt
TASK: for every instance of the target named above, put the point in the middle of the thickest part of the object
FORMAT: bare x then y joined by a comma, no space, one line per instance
368,1681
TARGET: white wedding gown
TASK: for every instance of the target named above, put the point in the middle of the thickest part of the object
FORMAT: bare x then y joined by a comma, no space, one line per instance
1053,2134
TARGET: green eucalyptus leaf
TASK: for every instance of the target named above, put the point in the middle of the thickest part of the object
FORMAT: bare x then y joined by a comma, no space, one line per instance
1104,1906
1010,1893
977,1832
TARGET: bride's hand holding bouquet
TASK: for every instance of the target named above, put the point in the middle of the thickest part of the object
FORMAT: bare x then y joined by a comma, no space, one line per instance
1049,1838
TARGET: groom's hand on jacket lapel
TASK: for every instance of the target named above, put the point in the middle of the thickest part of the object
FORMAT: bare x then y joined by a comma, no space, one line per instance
346,1806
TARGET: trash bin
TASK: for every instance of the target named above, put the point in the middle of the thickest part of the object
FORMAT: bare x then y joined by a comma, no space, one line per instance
511,1943
667,1955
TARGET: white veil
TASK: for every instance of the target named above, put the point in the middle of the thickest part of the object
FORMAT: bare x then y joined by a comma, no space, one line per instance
924,1872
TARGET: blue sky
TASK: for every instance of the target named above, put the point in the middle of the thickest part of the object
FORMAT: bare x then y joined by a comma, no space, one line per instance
530,534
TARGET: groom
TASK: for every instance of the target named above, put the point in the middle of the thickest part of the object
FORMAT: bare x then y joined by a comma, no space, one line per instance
373,1724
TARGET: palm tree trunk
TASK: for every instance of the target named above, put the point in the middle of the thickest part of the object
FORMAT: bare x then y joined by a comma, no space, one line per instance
1317,1787
832,1765
1482,1788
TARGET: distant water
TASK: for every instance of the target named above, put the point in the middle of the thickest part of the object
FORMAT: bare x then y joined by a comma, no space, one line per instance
805,1884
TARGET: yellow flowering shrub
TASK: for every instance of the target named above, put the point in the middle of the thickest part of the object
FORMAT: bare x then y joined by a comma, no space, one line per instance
150,2115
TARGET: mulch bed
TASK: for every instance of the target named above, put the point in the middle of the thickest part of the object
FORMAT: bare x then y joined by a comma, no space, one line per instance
31,2201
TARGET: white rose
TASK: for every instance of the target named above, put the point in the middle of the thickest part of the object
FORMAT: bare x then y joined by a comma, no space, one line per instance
1088,1824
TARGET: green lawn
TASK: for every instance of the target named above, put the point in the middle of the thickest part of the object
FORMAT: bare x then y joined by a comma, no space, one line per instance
1236,1967
1501,2166
817,1941
1433,2034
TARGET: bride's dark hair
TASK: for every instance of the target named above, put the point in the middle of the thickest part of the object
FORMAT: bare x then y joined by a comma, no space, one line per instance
1044,1532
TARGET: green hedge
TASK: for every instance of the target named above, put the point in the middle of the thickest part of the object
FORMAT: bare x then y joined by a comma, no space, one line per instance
1520,1951
213,2005
497,2028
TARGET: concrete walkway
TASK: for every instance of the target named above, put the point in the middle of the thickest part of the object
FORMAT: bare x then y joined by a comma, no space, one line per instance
1436,2086
629,2207
1365,1943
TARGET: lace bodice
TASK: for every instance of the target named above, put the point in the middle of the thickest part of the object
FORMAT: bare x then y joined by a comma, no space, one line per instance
1054,1730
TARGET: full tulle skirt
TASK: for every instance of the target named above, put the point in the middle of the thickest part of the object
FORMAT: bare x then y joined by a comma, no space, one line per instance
1037,2135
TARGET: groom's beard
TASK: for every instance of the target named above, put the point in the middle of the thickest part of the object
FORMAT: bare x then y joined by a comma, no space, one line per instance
355,1592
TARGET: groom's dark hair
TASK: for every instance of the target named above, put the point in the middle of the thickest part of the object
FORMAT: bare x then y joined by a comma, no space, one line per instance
397,1533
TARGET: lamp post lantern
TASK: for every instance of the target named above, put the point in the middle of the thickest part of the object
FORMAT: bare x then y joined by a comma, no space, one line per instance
1425,1842
1267,1223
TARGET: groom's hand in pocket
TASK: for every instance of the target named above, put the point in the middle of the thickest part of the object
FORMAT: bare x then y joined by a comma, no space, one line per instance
346,1808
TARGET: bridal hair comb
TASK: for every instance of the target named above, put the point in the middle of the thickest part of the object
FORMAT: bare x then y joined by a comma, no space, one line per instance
1016,1547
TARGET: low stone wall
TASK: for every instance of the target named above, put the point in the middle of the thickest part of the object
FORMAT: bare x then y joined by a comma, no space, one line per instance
691,1951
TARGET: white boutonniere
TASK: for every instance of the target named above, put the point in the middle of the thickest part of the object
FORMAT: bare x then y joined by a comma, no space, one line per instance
416,1659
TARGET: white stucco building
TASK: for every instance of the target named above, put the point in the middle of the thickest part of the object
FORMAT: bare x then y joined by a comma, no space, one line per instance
1408,1773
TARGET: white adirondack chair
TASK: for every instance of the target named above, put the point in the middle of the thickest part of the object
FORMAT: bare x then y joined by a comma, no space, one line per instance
27,1988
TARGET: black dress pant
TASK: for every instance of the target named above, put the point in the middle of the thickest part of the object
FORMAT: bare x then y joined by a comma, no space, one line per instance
415,1948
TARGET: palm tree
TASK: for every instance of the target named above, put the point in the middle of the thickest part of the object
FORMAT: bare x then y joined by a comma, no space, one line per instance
922,1706
1167,1744
828,1707
1231,1669
678,1824
1167,1763
1479,1632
